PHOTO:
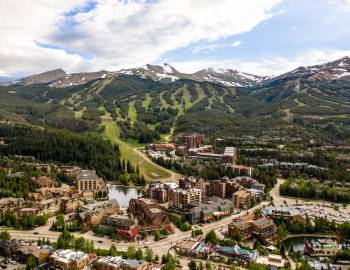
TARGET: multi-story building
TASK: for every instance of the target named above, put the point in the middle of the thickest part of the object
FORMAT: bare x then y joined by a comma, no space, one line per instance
118,263
182,198
69,204
71,171
49,207
149,212
67,259
262,228
242,199
11,204
282,212
162,147
240,228
217,188
191,182
122,224
193,140
44,182
87,180
213,209
92,214
249,182
230,155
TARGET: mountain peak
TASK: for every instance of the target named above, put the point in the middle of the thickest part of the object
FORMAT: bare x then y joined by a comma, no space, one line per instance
45,77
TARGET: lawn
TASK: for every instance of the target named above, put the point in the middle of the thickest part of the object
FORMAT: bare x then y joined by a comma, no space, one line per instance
111,133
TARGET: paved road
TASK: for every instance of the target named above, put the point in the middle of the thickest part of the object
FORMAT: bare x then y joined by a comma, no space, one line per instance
160,247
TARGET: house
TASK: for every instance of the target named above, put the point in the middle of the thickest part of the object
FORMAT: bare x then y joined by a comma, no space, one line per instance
66,259
118,263
44,182
242,199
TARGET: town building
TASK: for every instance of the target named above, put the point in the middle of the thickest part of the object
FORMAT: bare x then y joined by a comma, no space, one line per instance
91,214
282,212
321,247
11,204
242,199
240,229
272,261
69,204
162,147
40,255
66,259
118,263
213,209
150,213
217,188
193,140
249,182
87,180
160,192
122,224
44,182
182,198
262,227
230,155
49,207
71,171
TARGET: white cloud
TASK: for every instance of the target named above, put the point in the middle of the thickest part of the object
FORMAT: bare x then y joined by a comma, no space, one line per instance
116,33
206,48
236,43
343,5
272,65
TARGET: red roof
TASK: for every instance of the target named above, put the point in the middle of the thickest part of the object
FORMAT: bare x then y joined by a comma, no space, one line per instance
132,232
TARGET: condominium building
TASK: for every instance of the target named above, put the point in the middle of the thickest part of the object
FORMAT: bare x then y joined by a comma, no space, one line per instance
242,199
87,180
160,192
66,259
193,140
230,154
181,198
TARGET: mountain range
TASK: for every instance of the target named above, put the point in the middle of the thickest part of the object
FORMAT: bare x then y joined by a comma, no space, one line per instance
339,69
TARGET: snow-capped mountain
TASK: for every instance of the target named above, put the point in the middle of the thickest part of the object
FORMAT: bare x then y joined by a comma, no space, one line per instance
338,69
227,77
163,72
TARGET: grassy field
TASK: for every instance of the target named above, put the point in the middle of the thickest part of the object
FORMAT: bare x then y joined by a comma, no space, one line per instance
147,101
132,112
111,133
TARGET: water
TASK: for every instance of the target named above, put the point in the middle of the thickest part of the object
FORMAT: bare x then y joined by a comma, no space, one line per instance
124,194
297,243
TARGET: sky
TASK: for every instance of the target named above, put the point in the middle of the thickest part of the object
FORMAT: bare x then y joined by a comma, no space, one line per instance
263,37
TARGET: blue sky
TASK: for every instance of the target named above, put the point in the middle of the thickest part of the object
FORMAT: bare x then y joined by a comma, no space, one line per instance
264,37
